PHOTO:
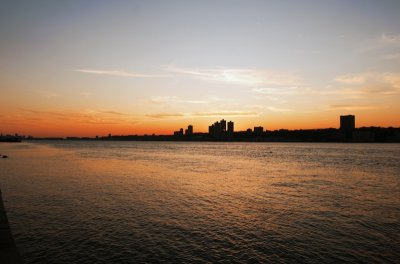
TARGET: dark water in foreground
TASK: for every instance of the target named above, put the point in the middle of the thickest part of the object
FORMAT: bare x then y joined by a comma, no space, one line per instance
134,202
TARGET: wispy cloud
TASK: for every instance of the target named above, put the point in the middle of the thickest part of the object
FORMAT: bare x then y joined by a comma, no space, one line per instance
372,79
50,94
357,92
277,90
378,90
86,94
175,99
113,113
352,107
278,109
386,38
165,115
392,78
380,42
225,113
203,114
359,78
392,56
87,116
122,73
251,77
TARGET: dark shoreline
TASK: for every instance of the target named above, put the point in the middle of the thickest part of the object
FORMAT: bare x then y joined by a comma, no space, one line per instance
325,135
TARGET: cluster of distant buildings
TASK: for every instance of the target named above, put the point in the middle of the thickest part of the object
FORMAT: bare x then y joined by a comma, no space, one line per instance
188,132
218,130
224,131
221,128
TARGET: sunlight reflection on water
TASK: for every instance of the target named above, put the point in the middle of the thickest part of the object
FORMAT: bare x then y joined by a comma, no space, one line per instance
113,202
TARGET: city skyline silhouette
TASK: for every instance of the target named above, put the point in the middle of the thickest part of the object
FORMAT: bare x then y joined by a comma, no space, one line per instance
225,131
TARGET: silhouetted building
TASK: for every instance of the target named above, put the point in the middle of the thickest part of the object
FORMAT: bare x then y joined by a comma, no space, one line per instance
189,131
215,130
230,127
347,125
347,122
179,133
258,130
223,125
210,130
219,130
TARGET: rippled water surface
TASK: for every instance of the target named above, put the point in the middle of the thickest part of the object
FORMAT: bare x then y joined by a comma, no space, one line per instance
142,202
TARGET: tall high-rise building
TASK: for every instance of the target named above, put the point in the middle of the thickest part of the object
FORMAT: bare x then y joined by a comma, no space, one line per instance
230,127
189,130
211,130
220,130
347,125
347,122
258,130
179,133
223,125
217,128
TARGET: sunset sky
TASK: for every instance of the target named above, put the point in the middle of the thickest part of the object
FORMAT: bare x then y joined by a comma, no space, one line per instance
86,68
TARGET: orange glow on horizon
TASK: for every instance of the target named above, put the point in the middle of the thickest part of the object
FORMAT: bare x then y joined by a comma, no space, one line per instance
78,128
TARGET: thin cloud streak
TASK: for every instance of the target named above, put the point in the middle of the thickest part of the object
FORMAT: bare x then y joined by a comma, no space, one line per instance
50,94
175,99
114,113
165,115
372,78
240,76
392,56
353,107
225,113
278,109
236,76
383,41
86,117
277,90
86,94
203,114
387,38
352,78
122,73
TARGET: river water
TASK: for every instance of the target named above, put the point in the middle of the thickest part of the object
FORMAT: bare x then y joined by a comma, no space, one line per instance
187,202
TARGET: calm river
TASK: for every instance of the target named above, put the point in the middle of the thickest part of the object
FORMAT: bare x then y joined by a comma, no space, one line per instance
145,202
